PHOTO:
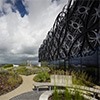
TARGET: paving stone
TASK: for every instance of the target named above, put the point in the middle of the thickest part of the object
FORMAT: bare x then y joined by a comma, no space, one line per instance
33,95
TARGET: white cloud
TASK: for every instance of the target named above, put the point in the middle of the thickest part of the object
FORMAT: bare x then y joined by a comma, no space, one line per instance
1,4
20,37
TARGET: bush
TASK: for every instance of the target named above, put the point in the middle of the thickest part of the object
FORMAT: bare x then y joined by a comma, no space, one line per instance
44,63
1,65
42,77
33,70
12,82
59,72
55,94
3,72
24,71
67,95
81,78
8,65
8,82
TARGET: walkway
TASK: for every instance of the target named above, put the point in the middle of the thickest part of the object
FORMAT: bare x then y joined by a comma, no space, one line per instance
32,95
26,86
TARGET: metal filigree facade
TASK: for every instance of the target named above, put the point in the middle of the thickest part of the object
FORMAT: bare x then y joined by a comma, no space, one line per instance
75,33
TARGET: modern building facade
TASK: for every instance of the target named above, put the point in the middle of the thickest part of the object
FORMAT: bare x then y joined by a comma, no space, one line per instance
75,35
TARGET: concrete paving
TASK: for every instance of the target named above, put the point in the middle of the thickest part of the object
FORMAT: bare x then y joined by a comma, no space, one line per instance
26,86
32,95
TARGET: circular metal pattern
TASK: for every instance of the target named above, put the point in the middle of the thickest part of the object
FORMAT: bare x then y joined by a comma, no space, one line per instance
83,10
75,33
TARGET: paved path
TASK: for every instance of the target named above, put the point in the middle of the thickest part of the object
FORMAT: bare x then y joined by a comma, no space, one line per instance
26,86
32,95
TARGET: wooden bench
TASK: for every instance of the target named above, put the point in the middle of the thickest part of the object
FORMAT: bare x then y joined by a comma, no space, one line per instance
60,81
38,85
55,80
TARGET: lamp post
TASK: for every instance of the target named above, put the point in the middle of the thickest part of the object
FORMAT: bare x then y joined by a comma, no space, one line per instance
15,74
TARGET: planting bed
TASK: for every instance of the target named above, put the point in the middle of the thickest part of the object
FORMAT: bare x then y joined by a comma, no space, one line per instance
64,95
8,82
61,97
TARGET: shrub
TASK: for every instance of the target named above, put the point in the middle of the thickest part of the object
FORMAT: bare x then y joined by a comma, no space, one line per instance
24,71
12,82
8,65
55,94
4,72
33,70
42,77
81,78
44,63
59,72
1,65
78,96
8,82
67,95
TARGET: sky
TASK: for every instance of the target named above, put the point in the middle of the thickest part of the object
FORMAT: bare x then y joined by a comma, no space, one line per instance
23,26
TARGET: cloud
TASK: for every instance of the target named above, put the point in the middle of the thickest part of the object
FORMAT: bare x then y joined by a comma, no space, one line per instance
20,37
1,4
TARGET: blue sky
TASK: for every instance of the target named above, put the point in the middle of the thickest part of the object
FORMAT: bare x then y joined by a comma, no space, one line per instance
23,26
17,5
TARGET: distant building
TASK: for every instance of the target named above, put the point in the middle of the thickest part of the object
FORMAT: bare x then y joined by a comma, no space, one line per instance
28,63
15,65
39,64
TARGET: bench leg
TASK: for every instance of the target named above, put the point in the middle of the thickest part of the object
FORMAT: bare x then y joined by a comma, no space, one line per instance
96,95
37,89
50,88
